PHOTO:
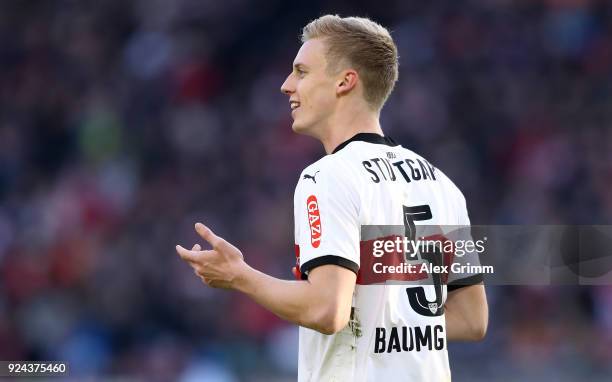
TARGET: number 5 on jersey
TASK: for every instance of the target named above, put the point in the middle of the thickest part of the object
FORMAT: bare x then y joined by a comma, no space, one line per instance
416,295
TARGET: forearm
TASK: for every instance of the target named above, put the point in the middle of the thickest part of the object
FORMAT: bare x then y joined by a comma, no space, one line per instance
294,301
322,303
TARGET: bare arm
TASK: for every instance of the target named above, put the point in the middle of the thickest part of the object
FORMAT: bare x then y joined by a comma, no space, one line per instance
467,314
322,303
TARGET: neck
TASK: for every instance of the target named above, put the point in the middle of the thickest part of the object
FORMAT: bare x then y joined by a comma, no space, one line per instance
343,127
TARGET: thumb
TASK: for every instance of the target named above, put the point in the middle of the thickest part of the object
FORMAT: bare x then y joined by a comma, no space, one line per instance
208,235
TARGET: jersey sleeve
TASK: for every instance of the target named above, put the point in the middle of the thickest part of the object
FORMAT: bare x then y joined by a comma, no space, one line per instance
326,212
464,253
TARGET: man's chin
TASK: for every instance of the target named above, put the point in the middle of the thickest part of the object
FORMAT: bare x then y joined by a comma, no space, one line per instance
303,129
298,128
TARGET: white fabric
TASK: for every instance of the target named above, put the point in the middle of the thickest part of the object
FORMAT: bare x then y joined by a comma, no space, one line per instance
347,198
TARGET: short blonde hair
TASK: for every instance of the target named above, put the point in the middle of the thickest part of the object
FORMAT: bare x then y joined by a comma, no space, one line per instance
362,44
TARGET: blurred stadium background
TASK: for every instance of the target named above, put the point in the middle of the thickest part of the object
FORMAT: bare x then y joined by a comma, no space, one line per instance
124,122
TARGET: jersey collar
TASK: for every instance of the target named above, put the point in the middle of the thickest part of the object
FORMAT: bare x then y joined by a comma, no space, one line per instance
367,137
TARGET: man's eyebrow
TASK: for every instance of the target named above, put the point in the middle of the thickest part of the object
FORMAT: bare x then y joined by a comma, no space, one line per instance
299,65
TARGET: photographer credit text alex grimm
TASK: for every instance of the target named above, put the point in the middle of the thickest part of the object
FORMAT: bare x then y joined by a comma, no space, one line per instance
412,263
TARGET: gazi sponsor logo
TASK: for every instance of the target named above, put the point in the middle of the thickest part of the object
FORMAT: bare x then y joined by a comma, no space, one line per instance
314,220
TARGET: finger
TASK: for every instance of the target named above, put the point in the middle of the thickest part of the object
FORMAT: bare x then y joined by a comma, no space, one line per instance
202,279
185,254
194,258
196,247
208,235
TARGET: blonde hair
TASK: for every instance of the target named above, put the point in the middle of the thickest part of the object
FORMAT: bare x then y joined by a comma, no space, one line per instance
362,44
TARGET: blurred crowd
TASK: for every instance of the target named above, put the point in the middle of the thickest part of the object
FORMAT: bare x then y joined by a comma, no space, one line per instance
122,123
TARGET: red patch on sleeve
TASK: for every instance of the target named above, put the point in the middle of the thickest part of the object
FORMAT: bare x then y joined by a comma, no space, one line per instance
314,220
296,270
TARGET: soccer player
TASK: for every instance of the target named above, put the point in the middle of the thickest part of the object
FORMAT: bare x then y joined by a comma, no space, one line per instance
352,329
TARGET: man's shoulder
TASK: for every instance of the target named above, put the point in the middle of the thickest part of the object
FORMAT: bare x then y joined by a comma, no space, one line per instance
330,166
317,165
448,185
327,175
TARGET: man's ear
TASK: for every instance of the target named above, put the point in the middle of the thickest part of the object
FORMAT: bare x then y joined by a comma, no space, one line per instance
347,82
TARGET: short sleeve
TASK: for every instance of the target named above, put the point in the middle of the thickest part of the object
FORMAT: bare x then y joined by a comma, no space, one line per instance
326,213
466,251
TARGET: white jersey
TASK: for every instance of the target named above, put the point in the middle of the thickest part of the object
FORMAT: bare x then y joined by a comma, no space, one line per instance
395,333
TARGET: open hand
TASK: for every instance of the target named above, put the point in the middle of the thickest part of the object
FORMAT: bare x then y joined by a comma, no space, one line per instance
219,267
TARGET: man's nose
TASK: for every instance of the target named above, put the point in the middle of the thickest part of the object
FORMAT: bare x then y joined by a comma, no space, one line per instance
285,87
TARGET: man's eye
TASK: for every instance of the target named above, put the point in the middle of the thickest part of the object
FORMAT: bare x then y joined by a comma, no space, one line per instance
300,72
